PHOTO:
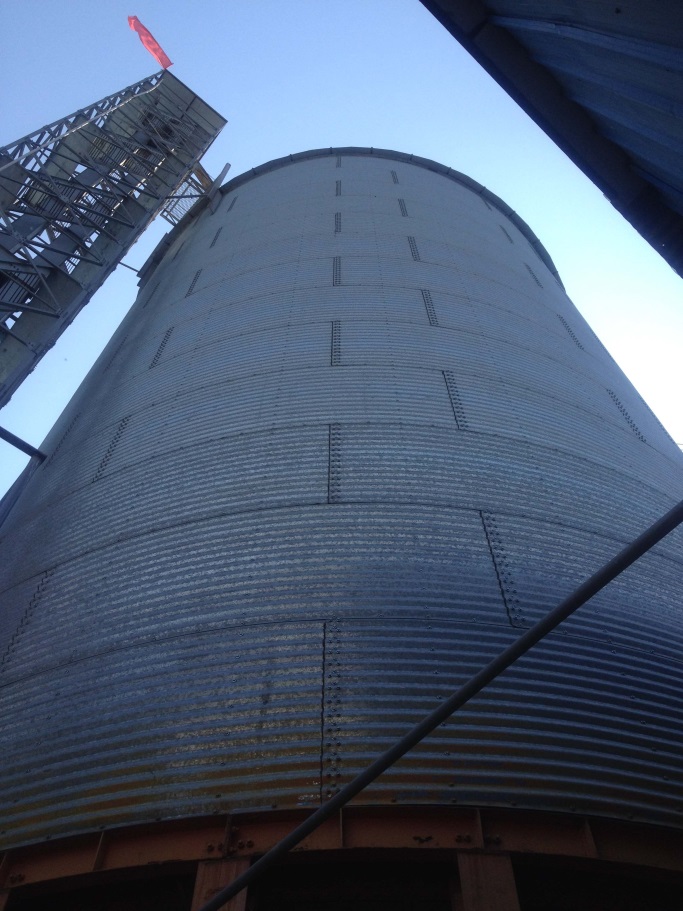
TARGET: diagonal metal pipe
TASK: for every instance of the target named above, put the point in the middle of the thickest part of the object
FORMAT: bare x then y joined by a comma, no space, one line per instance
486,675
17,442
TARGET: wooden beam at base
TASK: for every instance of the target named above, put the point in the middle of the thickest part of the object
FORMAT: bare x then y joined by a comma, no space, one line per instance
487,882
243,836
214,875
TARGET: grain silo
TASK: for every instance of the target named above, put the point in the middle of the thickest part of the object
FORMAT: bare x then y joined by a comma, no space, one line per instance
351,439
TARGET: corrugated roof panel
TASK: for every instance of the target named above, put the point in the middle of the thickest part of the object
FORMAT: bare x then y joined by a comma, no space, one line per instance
558,60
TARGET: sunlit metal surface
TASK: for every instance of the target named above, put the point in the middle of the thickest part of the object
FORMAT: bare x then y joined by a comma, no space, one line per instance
338,454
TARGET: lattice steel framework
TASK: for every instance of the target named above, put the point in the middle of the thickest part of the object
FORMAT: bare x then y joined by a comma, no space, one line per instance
74,197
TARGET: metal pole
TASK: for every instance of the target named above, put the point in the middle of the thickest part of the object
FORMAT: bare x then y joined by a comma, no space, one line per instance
477,683
132,268
13,440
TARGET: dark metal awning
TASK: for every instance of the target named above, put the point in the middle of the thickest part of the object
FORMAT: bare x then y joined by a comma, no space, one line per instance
605,82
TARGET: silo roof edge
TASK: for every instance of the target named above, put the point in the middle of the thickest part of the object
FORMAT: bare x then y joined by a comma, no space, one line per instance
426,163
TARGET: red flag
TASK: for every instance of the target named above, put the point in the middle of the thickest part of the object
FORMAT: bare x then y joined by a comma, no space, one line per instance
149,41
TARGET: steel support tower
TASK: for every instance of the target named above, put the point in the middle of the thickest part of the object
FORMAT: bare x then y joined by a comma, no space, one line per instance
74,197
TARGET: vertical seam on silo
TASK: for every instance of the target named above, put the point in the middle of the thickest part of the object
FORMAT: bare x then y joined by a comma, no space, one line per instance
429,307
506,234
101,468
413,248
627,417
335,346
570,331
215,237
234,200
502,571
394,176
336,270
160,349
322,709
334,463
533,275
456,402
403,208
337,222
193,283
26,616
329,460
338,189
338,165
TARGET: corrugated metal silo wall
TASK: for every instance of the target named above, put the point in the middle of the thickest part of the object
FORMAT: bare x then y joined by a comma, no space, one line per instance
350,440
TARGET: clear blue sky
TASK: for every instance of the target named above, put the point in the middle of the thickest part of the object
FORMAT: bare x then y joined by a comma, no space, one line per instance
303,74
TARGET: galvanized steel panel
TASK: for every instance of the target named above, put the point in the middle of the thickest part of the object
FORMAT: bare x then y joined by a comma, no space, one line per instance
310,486
533,738
173,725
